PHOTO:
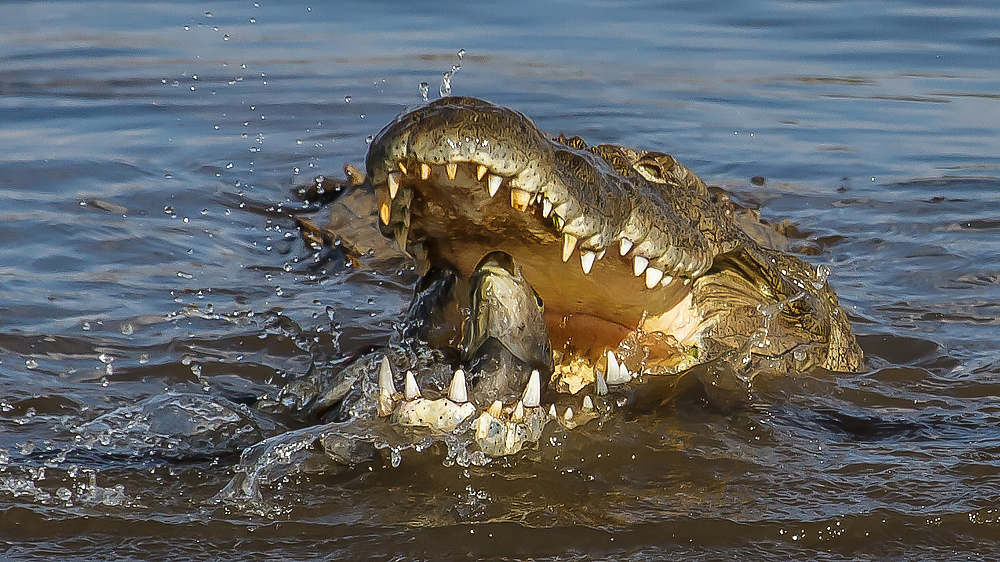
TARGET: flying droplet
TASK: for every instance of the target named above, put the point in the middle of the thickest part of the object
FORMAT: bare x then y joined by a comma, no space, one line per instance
445,89
424,87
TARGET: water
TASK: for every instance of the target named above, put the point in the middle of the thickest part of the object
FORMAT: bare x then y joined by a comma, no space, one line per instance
148,156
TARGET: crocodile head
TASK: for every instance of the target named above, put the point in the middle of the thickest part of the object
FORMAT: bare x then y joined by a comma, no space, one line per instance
615,241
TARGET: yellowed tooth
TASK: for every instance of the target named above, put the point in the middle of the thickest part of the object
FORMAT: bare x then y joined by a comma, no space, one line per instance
493,184
518,413
495,409
402,168
393,181
480,172
569,244
452,169
383,213
519,199
588,403
425,171
546,208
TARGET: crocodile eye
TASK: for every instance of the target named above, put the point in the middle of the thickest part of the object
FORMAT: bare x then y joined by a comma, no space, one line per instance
538,301
651,172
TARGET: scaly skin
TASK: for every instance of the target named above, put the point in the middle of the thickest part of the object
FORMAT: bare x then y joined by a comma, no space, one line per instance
667,278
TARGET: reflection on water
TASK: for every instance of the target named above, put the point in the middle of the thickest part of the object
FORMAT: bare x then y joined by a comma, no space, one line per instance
154,285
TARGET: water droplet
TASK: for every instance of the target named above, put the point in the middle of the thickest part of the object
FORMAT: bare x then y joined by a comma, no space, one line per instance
445,89
253,20
225,37
461,54
369,139
347,99
127,329
209,15
31,364
424,87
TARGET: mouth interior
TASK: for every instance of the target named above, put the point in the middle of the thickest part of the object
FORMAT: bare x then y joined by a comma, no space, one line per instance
459,222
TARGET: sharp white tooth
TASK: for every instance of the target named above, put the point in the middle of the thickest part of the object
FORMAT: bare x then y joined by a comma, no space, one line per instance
666,280
600,255
568,415
393,184
518,413
402,168
588,403
452,169
410,389
653,277
533,390
569,244
480,172
600,384
625,246
687,280
639,264
520,199
552,410
493,184
587,259
546,208
456,391
613,370
385,378
495,409
425,171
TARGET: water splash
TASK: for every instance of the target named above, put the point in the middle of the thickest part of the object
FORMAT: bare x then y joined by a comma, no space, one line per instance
424,90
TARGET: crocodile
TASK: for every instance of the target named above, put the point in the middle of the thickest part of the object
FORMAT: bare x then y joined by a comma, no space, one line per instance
672,278
670,273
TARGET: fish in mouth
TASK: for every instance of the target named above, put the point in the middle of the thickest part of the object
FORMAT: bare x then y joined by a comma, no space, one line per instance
642,267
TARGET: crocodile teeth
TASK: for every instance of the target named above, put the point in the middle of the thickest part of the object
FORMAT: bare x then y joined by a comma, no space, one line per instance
533,390
552,410
393,184
385,385
666,280
600,384
568,415
587,259
588,403
639,264
383,213
425,171
402,168
569,244
617,373
493,184
456,391
653,277
411,390
480,172
626,245
452,169
520,199
518,413
546,208
495,409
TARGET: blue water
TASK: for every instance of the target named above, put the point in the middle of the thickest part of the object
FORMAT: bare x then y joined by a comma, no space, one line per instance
148,152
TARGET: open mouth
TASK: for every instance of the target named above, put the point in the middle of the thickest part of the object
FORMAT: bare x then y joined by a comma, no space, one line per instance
585,237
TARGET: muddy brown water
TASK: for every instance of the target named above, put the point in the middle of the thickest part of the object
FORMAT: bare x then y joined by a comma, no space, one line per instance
147,157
